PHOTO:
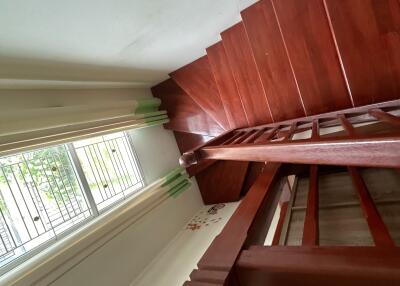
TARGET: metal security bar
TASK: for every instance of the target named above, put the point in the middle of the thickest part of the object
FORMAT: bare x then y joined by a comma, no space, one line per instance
48,192
110,167
40,197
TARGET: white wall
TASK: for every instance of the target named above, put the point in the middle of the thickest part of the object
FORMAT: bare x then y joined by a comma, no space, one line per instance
29,109
174,264
121,260
156,149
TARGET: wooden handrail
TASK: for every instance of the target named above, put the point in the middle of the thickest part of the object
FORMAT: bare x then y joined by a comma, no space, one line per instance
358,266
221,255
374,151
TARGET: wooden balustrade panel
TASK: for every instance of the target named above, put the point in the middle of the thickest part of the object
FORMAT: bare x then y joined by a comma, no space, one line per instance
272,61
313,55
245,72
222,181
368,40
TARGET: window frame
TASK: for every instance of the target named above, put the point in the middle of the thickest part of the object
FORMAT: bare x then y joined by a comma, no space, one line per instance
88,196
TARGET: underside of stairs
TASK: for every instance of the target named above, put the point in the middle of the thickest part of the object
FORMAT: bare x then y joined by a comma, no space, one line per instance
286,59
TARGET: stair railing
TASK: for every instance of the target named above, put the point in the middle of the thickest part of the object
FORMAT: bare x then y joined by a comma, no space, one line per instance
306,141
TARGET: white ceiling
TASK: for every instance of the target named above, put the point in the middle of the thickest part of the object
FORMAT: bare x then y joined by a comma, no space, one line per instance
122,41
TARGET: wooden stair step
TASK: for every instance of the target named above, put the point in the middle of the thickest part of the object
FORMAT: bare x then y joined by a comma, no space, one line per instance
184,114
197,80
368,40
313,56
272,61
245,73
227,86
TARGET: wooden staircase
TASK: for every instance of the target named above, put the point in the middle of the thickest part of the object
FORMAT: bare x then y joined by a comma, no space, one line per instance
286,59
337,218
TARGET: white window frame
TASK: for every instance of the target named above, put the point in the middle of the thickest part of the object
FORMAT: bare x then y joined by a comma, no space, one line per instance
92,206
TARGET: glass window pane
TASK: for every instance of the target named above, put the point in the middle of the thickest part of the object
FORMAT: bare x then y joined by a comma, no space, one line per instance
111,168
40,197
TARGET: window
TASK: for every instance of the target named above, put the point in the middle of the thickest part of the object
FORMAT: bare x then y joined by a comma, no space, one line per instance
48,192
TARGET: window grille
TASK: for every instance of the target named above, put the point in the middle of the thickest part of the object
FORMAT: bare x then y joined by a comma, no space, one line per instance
47,192
110,168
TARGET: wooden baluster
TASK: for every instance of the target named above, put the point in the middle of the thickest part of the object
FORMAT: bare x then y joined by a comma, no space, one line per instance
267,136
310,232
311,229
254,136
279,226
315,130
242,137
347,126
291,132
233,138
377,227
384,116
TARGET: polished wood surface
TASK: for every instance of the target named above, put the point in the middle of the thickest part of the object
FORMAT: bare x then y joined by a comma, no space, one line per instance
377,227
318,266
184,114
226,247
272,61
254,170
385,117
227,86
195,283
279,226
368,40
313,56
310,232
222,181
209,276
287,59
373,151
198,82
245,72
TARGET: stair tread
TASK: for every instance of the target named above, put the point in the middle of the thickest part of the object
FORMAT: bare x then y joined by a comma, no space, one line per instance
184,114
227,87
246,75
367,34
197,80
313,55
272,61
